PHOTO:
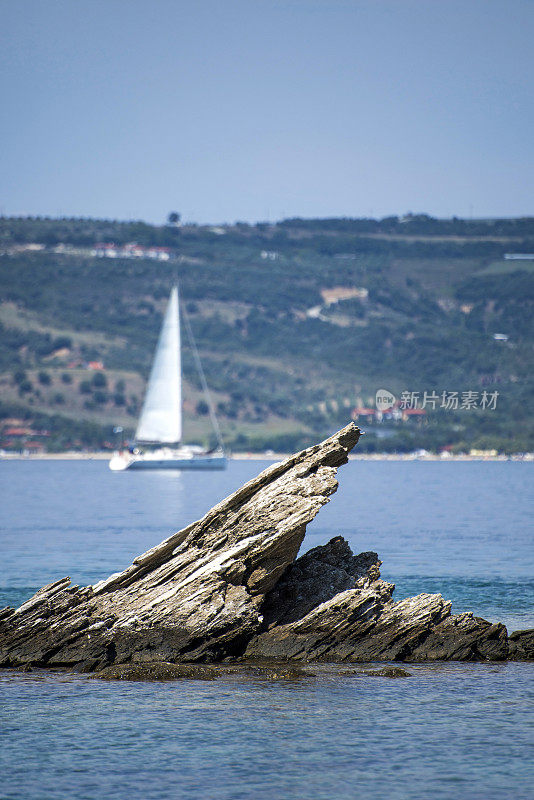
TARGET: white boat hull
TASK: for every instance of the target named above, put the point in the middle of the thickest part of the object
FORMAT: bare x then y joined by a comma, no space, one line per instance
167,459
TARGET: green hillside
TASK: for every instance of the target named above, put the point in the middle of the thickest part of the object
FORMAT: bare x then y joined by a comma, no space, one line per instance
297,323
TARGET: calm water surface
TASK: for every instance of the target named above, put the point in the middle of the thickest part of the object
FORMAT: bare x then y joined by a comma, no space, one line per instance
449,731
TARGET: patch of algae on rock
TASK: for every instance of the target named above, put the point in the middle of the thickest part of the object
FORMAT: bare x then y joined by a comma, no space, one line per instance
157,671
386,672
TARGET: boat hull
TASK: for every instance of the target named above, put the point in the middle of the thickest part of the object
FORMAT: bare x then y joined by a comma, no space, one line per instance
121,462
179,463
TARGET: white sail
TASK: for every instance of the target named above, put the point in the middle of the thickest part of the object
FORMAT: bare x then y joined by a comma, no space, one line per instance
161,417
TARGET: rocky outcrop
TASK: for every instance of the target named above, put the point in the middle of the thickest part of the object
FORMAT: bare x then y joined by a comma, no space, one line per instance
332,606
195,597
230,585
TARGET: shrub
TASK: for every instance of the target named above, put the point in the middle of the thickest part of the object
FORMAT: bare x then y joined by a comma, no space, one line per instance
99,380
25,386
66,378
85,387
44,378
19,376
62,341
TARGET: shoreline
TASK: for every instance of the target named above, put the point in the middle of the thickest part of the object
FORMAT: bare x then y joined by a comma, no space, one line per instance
273,457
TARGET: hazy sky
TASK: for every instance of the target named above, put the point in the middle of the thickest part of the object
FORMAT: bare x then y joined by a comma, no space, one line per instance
257,109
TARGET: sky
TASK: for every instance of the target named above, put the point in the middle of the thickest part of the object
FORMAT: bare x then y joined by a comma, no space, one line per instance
256,110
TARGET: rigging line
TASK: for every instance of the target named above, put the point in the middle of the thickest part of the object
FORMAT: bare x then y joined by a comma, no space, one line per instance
203,381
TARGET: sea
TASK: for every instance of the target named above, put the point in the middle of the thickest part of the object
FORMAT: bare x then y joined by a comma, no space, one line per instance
449,730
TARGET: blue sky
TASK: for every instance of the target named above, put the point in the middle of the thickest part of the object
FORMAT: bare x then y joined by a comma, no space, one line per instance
256,110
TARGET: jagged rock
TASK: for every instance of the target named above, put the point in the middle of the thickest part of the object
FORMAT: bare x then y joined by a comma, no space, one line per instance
196,596
315,577
363,623
521,645
229,585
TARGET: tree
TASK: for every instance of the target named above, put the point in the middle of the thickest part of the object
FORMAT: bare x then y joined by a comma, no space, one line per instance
173,218
25,386
202,408
99,380
19,376
62,341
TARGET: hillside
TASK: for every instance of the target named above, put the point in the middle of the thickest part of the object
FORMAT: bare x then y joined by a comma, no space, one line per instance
298,324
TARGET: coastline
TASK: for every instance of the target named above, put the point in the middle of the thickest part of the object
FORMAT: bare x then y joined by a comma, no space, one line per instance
273,457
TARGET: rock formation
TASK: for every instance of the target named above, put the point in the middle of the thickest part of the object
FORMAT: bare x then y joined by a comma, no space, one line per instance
229,586
331,605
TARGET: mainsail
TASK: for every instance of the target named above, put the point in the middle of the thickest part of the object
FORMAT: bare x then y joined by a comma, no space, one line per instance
161,417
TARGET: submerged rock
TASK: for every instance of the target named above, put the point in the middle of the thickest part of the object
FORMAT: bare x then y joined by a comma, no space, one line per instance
386,672
157,671
166,671
230,585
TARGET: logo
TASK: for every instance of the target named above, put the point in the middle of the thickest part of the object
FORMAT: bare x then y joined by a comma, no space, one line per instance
384,400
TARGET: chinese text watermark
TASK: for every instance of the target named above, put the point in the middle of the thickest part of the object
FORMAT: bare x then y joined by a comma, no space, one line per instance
449,401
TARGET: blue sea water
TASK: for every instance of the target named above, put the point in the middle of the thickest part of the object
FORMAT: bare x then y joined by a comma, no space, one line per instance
449,731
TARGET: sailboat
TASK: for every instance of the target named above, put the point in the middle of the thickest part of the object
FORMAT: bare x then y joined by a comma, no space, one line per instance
160,423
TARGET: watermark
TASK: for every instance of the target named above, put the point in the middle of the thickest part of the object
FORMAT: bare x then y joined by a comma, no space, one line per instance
384,400
449,401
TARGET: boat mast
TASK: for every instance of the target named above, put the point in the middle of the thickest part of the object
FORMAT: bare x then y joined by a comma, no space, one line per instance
198,364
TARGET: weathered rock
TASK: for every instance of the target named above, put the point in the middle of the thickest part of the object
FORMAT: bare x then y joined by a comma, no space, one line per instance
521,644
363,623
228,585
196,596
315,577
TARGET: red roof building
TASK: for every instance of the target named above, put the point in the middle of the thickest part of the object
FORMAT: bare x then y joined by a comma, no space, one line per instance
19,432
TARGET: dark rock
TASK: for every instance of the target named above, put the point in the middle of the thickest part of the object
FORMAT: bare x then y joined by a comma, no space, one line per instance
315,577
365,624
522,645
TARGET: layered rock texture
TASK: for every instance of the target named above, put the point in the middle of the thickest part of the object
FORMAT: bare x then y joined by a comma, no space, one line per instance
331,605
230,585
